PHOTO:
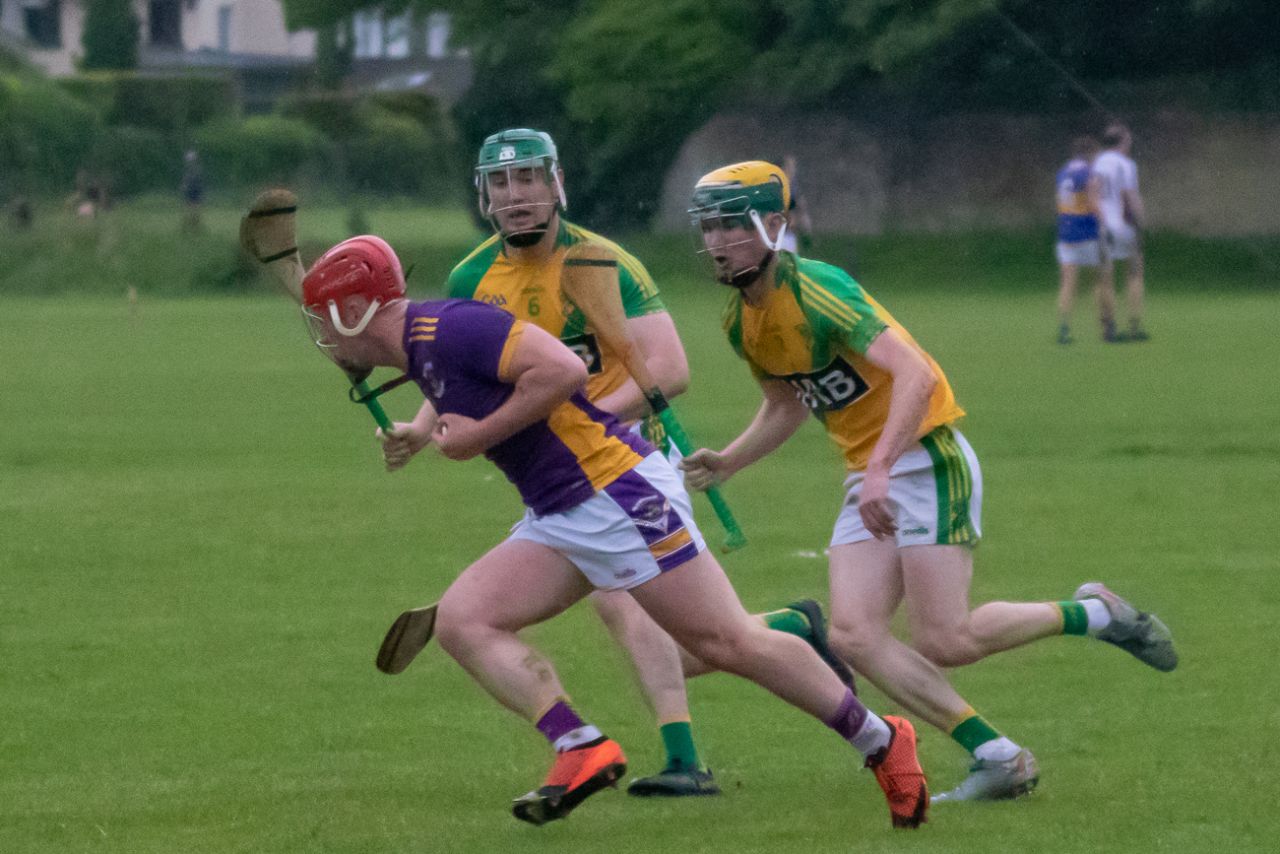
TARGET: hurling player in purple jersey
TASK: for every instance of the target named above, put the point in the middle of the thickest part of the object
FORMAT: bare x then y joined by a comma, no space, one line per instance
604,511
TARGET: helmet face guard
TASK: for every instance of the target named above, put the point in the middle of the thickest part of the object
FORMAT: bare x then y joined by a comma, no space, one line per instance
730,209
734,197
364,266
510,158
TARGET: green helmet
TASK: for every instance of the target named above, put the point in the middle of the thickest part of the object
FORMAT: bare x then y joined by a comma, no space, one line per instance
517,148
738,189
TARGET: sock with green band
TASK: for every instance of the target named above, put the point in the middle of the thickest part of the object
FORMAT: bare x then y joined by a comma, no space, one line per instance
973,732
1075,619
788,620
682,755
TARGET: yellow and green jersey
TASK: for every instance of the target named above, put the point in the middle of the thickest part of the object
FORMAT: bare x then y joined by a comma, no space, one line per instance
531,291
812,332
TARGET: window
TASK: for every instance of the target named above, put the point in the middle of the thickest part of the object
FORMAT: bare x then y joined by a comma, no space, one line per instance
224,29
437,35
43,22
164,18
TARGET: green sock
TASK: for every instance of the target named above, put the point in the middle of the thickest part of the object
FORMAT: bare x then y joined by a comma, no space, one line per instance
677,737
972,732
1075,620
788,620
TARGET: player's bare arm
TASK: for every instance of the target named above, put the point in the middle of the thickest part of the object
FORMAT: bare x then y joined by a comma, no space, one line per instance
913,384
545,374
407,439
1134,210
660,347
781,413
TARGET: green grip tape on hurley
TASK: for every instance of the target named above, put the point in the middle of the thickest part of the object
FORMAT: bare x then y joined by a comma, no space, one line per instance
735,539
366,396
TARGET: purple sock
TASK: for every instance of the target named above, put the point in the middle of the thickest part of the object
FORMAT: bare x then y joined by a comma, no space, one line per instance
559,720
849,718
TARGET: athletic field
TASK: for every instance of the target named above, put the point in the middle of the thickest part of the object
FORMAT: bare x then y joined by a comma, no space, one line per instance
200,550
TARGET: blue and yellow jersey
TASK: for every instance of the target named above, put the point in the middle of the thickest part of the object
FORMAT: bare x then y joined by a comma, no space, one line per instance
531,291
1077,220
812,332
458,350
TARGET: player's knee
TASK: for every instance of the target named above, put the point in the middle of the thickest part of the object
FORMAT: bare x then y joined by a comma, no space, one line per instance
947,649
729,651
855,642
458,631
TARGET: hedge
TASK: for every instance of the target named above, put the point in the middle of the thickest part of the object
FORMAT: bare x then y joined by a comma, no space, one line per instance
264,149
45,135
174,103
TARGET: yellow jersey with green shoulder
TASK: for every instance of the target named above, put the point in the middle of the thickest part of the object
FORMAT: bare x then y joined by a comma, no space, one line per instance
530,290
812,332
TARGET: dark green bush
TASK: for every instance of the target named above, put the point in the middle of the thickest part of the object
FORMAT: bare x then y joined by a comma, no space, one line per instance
394,155
336,115
264,149
132,160
391,144
45,135
173,103
420,107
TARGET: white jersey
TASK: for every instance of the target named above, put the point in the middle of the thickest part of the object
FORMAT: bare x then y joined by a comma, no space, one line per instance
1116,174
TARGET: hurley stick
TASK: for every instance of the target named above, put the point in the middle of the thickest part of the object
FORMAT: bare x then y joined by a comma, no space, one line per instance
590,279
269,233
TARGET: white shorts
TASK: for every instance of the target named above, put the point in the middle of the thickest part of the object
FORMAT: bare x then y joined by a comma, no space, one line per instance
1121,241
1086,253
634,529
935,489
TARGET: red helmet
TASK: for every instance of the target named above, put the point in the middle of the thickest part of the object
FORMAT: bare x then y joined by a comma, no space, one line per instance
366,266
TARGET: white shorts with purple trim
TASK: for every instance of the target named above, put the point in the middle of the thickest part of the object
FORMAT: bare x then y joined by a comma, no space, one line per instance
634,529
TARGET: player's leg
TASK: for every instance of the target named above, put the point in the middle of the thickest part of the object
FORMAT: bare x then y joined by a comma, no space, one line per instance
803,618
937,572
477,623
656,658
936,580
866,586
1135,288
698,607
1068,276
1104,291
936,498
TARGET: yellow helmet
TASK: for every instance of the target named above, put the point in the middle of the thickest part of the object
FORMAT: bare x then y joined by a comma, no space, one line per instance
753,185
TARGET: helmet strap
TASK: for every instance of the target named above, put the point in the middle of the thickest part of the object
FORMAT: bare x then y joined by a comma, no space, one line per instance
748,276
774,245
359,327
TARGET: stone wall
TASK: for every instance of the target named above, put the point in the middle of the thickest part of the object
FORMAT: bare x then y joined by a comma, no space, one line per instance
1201,175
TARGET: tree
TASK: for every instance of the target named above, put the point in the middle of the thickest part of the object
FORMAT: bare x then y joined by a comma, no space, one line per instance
110,38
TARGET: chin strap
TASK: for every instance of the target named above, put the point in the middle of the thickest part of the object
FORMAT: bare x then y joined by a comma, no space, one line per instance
775,244
359,327
746,278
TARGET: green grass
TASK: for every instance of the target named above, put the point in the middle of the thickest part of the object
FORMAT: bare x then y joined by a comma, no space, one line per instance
200,552
140,243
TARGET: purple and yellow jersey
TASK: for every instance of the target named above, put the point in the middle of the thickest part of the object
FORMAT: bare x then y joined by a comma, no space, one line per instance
458,349
531,291
1077,221
813,332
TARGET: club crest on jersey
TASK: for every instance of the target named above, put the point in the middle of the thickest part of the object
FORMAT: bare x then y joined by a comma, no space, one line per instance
652,512
507,152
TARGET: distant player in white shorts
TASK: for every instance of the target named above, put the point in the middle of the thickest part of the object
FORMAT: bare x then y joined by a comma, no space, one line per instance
1079,244
1123,219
